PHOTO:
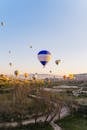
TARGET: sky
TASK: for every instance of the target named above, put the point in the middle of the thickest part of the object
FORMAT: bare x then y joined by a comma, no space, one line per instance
59,26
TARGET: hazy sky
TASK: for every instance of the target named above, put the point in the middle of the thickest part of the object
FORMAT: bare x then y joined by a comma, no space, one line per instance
59,26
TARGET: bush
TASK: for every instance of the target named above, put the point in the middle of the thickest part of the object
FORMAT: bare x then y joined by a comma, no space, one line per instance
82,110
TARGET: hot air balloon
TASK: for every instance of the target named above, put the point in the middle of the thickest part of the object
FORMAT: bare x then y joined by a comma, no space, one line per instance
26,75
9,52
50,71
10,64
44,57
16,72
30,46
57,61
71,76
64,77
2,23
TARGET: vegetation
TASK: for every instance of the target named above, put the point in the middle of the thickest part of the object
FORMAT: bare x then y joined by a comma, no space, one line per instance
26,99
74,122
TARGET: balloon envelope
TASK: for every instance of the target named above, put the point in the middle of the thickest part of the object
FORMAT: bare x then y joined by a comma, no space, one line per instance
9,52
2,23
64,77
71,76
10,64
44,57
30,46
50,71
26,75
16,72
57,61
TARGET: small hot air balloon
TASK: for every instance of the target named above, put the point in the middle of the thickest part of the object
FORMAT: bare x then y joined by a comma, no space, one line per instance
2,23
26,75
64,77
44,57
10,64
30,46
57,61
9,52
16,72
71,76
50,71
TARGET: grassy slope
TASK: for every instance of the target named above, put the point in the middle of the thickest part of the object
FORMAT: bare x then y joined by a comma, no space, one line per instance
73,123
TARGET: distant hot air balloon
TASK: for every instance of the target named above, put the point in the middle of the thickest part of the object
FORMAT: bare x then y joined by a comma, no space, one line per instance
2,23
10,64
9,52
44,57
64,77
50,71
71,76
57,61
26,75
30,46
16,72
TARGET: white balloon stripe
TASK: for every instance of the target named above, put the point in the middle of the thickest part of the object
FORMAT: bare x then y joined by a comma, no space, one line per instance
44,57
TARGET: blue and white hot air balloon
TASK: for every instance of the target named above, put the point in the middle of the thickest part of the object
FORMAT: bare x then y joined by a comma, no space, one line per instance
44,57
